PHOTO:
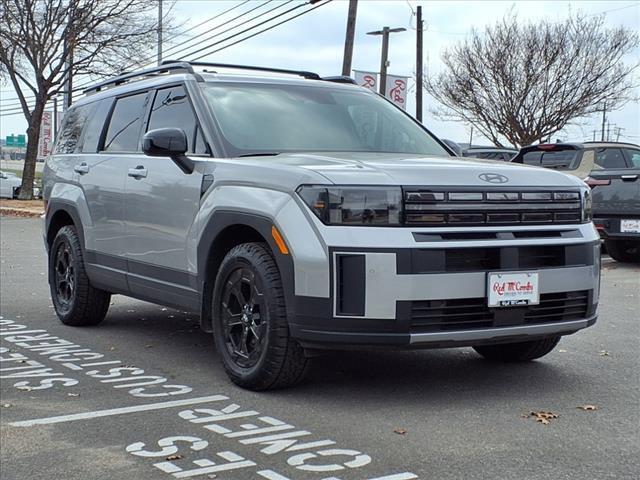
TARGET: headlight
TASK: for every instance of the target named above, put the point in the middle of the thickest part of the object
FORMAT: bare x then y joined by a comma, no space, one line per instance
354,205
587,215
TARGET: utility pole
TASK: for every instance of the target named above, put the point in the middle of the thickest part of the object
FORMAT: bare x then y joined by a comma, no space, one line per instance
608,131
55,118
348,39
604,117
419,66
618,134
69,41
471,137
159,32
385,54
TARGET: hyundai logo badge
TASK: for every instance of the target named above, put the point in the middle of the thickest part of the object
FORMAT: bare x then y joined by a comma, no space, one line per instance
493,178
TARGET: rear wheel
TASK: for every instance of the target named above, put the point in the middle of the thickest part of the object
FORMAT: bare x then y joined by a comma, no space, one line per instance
250,325
75,300
518,352
626,251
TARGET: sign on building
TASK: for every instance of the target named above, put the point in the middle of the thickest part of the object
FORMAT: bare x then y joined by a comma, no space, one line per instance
366,79
46,135
397,90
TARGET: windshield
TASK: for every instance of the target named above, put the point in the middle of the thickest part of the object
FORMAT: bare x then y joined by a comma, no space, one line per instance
259,118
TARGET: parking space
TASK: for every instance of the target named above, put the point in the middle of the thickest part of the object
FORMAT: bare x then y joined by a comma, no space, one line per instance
143,396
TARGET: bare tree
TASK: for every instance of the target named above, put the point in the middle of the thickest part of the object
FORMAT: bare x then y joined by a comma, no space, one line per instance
44,41
524,82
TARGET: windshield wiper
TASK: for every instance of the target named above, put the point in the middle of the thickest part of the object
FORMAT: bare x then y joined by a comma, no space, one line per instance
259,154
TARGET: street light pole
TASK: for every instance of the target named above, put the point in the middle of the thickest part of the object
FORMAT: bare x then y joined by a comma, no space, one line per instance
385,54
159,32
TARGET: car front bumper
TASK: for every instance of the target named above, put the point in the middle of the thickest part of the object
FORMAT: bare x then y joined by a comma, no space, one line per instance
433,293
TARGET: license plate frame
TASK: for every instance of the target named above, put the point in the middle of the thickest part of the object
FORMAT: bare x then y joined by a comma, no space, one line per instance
513,289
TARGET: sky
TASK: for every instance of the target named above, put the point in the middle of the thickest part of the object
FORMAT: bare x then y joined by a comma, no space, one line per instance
315,42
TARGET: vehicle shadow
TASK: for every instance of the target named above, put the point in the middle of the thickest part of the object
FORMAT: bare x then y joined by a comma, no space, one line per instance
375,378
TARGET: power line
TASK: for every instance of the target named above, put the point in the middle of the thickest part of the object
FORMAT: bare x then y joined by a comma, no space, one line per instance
182,33
243,31
233,36
79,88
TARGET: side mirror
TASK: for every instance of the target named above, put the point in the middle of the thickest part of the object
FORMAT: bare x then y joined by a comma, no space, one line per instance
168,142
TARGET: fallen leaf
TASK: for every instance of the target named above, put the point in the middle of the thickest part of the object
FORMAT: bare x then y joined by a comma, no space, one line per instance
73,394
543,417
174,457
400,431
588,408
6,405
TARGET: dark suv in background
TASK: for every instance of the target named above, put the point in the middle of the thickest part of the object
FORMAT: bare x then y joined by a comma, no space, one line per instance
612,170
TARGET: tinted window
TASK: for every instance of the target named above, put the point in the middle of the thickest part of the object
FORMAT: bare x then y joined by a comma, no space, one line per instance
93,130
171,108
281,118
71,130
560,159
610,158
125,124
634,156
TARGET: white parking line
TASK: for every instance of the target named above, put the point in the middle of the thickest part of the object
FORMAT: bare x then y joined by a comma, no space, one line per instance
117,411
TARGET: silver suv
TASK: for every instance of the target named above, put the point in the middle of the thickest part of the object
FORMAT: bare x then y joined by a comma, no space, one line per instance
297,213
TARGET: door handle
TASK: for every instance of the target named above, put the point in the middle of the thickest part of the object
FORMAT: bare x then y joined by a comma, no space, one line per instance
629,178
138,172
81,168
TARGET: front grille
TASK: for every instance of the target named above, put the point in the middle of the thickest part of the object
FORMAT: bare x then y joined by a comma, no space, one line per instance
444,207
474,259
473,313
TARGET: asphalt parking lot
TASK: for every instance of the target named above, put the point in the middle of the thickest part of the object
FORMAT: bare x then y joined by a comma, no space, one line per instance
143,396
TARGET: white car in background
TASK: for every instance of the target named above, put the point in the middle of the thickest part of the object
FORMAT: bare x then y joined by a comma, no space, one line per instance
10,186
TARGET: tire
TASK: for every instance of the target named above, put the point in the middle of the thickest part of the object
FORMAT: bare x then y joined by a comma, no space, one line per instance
625,251
75,300
518,352
250,326
16,193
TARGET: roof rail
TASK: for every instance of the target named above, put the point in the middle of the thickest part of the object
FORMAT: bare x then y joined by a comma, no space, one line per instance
165,67
300,73
340,79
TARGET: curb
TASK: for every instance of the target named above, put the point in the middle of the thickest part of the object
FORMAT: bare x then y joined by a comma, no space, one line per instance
19,212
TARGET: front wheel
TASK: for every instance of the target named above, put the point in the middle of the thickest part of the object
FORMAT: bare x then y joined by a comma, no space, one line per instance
250,325
625,251
75,300
518,352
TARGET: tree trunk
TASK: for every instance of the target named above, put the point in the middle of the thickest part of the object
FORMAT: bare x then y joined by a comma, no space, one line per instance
33,137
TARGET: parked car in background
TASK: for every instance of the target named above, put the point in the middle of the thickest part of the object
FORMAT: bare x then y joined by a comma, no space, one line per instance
453,146
9,185
490,153
612,170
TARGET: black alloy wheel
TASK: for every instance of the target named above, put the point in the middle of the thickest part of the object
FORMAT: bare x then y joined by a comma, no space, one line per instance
76,301
250,325
243,307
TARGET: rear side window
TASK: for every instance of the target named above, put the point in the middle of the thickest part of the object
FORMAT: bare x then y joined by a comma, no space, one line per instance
71,130
171,108
634,156
565,159
610,158
95,124
126,121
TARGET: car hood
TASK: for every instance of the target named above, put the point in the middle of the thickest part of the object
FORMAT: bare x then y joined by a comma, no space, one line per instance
403,169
